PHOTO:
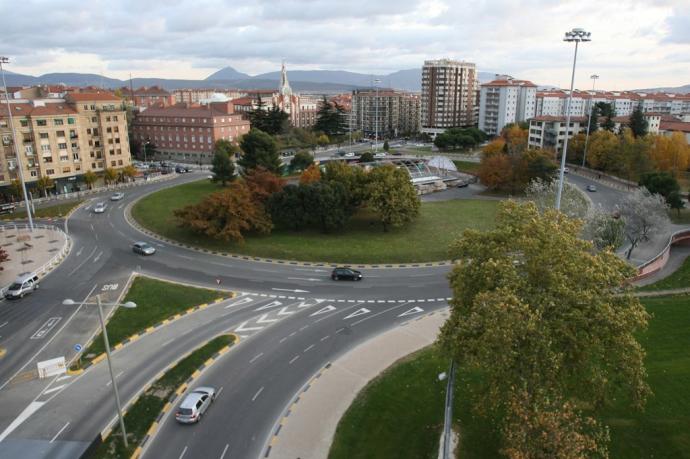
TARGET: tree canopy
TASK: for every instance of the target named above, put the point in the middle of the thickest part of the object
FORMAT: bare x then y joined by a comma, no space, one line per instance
638,123
301,161
259,149
223,167
330,118
543,318
392,196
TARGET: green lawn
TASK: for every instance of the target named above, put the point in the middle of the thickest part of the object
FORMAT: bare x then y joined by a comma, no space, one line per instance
467,166
402,409
363,241
56,210
683,218
146,409
156,300
679,279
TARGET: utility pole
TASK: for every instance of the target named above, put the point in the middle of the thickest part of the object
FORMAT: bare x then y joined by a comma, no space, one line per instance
589,121
376,116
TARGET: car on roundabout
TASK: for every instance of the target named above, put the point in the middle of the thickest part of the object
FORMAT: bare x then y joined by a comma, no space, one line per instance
143,248
591,188
99,208
195,404
117,196
343,273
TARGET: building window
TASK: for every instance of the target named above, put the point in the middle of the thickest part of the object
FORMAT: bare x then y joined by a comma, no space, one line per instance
34,174
66,170
119,162
93,107
29,149
50,171
60,133
94,119
48,159
41,123
115,119
71,121
62,146
45,148
109,130
113,163
58,122
24,123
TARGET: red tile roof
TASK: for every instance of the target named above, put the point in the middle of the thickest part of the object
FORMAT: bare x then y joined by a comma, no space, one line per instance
510,82
92,96
573,119
680,126
52,109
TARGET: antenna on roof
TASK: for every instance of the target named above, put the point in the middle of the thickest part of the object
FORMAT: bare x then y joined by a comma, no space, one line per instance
131,89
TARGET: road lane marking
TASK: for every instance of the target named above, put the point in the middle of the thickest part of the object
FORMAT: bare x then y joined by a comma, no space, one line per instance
240,302
309,348
325,337
310,279
256,357
243,327
62,378
415,310
82,263
225,450
98,257
183,453
282,340
323,310
54,389
358,312
28,411
258,392
116,376
59,432
293,360
4,324
81,249
219,391
167,342
272,304
46,328
375,315
264,320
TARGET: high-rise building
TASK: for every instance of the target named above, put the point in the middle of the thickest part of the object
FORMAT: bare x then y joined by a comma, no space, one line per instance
448,95
398,112
506,100
62,138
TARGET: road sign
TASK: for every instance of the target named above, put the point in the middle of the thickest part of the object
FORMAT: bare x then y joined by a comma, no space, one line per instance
77,347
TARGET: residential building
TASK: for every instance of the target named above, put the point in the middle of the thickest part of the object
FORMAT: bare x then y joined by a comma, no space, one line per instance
653,122
398,112
667,128
196,95
64,138
147,97
550,131
187,133
506,100
448,95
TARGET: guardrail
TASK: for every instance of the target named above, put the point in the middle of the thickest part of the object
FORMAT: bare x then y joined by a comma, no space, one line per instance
54,261
659,261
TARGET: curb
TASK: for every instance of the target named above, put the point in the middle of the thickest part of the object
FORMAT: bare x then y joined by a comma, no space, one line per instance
153,429
325,264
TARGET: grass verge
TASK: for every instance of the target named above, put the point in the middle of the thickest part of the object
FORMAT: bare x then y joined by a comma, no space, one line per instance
156,301
141,415
467,166
54,211
678,279
362,241
682,218
400,413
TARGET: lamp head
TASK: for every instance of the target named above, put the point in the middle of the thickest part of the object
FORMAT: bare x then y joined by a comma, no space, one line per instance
578,34
68,302
129,305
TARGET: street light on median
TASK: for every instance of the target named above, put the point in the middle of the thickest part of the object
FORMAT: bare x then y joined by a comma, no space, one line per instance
577,35
128,305
589,121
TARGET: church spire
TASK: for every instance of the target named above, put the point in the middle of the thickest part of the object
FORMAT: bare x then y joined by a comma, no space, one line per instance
284,89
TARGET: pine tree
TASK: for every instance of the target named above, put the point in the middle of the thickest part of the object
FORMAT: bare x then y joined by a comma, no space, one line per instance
638,123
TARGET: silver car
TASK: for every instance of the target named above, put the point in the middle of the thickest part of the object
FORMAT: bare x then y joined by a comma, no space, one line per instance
195,405
117,196
23,285
143,248
99,208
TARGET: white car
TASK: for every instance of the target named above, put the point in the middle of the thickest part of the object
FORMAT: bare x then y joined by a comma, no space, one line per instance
99,208
195,405
350,154
380,154
117,196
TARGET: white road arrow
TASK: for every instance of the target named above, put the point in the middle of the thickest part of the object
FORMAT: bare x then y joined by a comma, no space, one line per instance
308,304
270,305
415,310
306,279
358,312
284,311
290,290
264,320
240,302
242,328
324,310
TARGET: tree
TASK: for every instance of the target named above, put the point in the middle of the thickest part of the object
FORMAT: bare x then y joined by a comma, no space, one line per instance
16,189
259,149
258,116
323,140
353,178
670,153
366,157
603,151
287,208
225,215
4,256
310,175
262,184
644,213
543,319
109,175
666,185
635,152
495,171
606,110
638,123
606,231
89,178
129,171
386,146
326,205
515,138
44,183
494,147
543,194
277,121
222,166
330,118
301,161
392,196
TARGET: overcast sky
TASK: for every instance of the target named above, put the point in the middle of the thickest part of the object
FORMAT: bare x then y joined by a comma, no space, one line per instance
634,43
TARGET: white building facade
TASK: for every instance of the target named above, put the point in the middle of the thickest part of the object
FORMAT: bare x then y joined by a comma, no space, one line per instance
505,101
448,95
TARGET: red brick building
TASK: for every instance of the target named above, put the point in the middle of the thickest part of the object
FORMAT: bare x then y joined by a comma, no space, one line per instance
148,97
187,133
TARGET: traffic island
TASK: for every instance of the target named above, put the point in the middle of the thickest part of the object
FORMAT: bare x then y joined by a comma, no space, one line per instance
59,210
146,410
158,303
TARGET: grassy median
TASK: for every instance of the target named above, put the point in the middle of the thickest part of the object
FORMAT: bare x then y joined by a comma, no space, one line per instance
156,301
678,279
400,414
468,167
141,415
362,241
52,211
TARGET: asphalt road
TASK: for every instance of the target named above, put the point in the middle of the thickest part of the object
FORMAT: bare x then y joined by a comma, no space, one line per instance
282,346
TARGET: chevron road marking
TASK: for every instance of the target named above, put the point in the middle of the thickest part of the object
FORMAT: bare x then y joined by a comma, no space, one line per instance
323,310
358,312
415,310
273,304
243,328
263,320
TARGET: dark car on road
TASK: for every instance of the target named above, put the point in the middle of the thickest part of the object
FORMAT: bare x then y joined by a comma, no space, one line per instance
346,274
142,248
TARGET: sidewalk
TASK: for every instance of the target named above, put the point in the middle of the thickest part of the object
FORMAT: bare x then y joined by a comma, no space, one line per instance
307,427
38,251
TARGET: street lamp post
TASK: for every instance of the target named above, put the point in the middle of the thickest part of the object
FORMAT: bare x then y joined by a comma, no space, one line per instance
5,60
376,116
577,35
129,305
589,120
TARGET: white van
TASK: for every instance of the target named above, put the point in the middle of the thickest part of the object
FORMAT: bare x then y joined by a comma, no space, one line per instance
23,285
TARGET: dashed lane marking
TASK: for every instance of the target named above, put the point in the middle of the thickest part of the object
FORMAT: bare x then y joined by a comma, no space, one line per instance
225,450
59,432
310,347
258,392
54,389
184,451
293,360
256,357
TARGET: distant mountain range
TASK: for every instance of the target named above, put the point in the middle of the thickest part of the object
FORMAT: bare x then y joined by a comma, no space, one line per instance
329,81
678,90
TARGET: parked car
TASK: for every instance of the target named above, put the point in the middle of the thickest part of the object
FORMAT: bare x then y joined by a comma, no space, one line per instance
380,154
566,170
346,274
179,170
8,208
117,196
99,208
591,188
350,154
195,405
143,248
23,285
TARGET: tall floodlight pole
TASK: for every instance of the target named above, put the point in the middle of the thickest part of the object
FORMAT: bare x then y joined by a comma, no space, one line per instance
589,121
577,35
376,116
5,60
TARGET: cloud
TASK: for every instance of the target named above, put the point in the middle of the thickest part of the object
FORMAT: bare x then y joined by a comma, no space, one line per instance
678,27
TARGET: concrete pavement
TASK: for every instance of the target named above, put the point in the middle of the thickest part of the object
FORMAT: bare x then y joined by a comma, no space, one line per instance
320,404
